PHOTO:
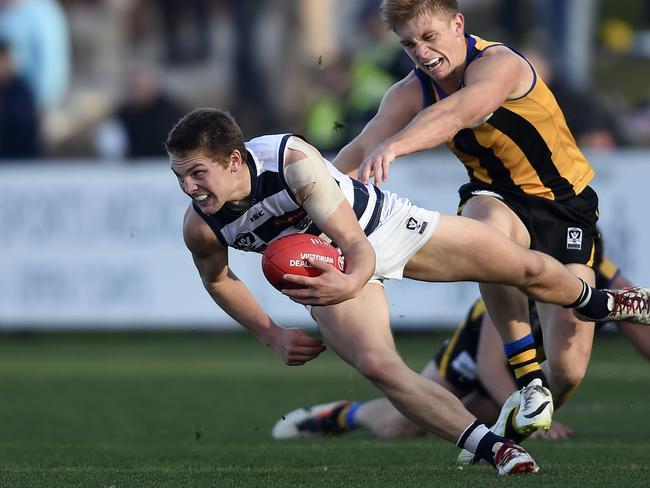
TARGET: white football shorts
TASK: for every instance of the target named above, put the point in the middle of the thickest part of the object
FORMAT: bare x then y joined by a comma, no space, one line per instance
403,229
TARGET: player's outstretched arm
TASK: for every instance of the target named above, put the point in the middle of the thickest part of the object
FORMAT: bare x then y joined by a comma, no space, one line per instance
293,346
498,75
399,105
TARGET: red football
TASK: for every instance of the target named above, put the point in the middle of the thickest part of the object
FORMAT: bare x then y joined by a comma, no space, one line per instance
287,255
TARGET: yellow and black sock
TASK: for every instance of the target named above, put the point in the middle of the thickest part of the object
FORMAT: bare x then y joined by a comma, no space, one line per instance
345,417
522,361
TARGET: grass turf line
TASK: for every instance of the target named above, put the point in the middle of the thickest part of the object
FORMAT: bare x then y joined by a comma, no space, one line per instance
170,410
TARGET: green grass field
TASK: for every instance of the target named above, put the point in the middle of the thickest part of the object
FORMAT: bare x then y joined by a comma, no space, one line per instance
184,410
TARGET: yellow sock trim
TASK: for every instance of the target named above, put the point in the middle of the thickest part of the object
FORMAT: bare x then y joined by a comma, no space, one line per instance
524,370
523,357
340,418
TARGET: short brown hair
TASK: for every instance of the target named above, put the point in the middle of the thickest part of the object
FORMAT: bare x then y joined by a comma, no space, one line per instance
211,130
396,13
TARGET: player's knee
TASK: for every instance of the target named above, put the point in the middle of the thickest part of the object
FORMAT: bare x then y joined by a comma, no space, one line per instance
377,366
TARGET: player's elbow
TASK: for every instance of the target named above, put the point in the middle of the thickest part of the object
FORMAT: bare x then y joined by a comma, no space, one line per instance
214,287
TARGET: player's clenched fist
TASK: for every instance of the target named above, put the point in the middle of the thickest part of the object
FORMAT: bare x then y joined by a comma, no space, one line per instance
295,347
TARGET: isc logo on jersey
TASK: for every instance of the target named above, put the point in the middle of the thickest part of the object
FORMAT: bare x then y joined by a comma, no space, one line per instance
302,262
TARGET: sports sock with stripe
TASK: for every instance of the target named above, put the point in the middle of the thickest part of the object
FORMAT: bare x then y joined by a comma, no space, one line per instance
522,361
592,302
346,419
480,440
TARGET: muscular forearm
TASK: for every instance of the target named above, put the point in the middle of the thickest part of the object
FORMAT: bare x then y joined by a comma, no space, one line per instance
349,158
235,299
427,130
293,346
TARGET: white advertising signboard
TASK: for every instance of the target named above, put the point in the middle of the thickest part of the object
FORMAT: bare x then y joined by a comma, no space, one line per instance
84,245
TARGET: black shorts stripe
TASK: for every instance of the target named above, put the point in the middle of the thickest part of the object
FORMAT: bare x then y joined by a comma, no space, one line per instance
376,213
532,144
361,198
548,221
465,141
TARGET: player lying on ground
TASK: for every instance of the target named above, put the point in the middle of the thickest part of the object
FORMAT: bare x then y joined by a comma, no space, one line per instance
469,364
246,195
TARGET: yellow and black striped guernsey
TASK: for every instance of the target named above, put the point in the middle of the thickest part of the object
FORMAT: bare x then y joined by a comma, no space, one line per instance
524,147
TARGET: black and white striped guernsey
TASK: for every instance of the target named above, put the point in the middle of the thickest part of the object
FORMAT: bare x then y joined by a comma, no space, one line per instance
274,211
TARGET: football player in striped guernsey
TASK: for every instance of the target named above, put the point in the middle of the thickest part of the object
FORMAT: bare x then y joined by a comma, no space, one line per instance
246,194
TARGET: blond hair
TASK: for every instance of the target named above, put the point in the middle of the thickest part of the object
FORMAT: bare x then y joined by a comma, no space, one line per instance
396,13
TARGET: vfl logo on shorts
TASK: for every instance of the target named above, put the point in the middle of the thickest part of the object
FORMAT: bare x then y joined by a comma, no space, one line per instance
574,238
416,226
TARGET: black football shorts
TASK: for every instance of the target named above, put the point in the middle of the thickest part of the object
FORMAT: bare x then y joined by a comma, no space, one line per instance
564,229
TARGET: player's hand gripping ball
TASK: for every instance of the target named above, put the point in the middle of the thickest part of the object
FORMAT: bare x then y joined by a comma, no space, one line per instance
288,255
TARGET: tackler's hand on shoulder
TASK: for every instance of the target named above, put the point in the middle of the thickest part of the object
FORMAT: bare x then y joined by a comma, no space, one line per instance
329,288
376,164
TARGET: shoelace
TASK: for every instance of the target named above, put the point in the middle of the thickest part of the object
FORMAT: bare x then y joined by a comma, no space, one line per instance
628,301
507,453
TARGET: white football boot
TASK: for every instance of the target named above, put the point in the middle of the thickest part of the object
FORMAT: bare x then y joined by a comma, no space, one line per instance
535,408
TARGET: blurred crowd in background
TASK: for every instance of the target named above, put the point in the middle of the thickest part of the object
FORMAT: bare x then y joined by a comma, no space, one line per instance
107,79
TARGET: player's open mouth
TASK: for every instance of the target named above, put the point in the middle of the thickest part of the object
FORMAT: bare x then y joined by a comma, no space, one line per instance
433,63
200,198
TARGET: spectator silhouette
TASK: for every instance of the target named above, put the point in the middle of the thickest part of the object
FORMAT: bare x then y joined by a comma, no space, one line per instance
37,32
19,126
186,44
140,125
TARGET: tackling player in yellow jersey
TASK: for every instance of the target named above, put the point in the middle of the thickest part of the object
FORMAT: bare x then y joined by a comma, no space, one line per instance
527,178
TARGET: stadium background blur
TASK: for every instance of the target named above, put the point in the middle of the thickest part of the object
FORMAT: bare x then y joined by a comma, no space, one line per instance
91,250
90,216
